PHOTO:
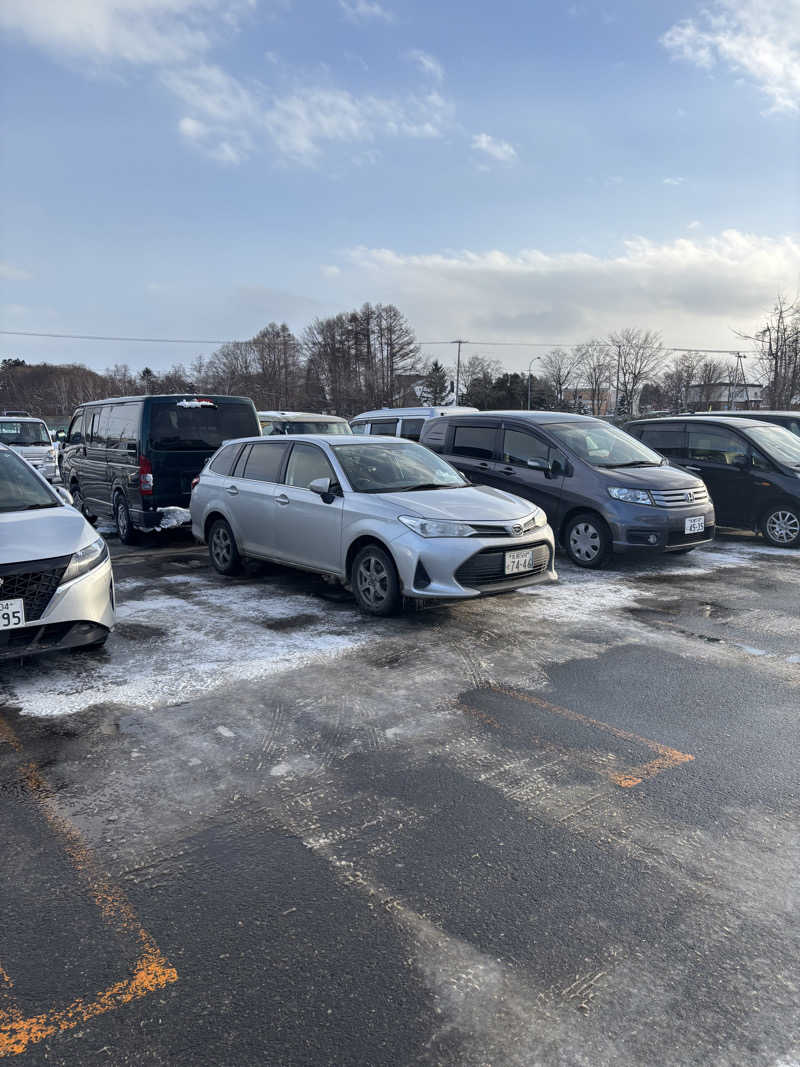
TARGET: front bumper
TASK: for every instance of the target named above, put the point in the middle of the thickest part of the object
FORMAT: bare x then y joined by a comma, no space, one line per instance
460,568
79,613
639,527
48,470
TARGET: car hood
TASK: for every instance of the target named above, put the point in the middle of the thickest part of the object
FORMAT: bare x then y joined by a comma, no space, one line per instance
29,535
473,503
658,478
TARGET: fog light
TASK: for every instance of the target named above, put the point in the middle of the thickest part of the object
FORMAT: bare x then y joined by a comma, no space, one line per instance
652,539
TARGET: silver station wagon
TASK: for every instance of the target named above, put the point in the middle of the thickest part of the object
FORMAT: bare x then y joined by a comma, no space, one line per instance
384,516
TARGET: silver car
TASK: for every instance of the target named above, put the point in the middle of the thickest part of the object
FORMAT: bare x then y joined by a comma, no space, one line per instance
31,439
56,584
386,517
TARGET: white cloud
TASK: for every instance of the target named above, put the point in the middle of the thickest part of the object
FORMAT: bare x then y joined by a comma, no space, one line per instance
695,224
364,10
331,271
674,181
10,273
427,63
757,38
500,150
193,130
694,290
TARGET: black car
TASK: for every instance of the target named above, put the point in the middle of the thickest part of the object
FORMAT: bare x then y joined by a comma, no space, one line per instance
751,468
602,490
131,457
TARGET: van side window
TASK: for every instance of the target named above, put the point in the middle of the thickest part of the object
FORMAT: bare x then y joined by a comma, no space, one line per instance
474,441
264,462
667,441
715,446
360,427
385,426
98,427
123,425
75,434
411,429
519,447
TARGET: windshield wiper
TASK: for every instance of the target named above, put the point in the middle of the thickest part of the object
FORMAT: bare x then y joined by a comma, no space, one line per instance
37,507
427,485
633,463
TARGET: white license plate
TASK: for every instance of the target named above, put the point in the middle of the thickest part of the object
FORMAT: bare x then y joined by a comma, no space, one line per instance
12,614
520,561
696,524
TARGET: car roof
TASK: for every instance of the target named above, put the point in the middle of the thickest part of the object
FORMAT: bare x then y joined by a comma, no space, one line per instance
414,413
325,438
753,414
716,420
23,418
198,395
300,415
540,417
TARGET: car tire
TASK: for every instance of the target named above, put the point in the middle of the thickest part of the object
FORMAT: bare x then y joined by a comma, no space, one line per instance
781,526
375,583
222,550
126,531
587,540
79,503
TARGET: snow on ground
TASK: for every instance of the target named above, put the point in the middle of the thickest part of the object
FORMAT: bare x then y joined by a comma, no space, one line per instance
188,638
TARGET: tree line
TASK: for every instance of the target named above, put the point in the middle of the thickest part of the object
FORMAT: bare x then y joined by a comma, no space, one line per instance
370,358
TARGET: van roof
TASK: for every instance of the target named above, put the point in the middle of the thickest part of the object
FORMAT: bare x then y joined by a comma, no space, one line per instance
199,395
300,415
410,413
716,420
534,416
22,418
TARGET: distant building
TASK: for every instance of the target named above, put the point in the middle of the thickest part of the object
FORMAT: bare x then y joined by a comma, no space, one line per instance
722,396
581,399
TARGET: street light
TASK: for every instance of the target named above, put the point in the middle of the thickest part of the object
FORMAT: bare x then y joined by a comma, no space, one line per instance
529,379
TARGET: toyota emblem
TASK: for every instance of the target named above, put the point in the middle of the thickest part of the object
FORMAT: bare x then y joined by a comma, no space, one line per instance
516,529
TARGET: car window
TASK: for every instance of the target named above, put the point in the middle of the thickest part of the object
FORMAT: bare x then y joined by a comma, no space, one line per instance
75,435
123,425
265,461
238,470
779,443
23,433
306,463
395,467
224,460
359,427
603,445
519,447
411,429
715,446
20,488
98,426
384,426
669,441
474,441
200,423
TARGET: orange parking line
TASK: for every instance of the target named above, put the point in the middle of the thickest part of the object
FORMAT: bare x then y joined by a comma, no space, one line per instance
150,971
665,760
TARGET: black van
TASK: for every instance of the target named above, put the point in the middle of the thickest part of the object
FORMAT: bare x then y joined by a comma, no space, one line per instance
130,457
788,419
752,469
601,489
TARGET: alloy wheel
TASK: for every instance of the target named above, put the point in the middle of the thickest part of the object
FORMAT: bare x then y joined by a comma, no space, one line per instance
585,541
372,580
783,527
221,547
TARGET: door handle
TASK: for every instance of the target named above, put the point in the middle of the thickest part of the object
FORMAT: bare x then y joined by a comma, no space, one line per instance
232,490
484,466
508,470
283,499
697,470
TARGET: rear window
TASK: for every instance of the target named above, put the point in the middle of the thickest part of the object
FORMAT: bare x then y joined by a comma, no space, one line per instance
223,462
474,441
412,428
384,426
667,441
187,425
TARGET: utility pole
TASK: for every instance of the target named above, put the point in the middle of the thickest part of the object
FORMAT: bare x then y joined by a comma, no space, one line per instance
458,368
529,380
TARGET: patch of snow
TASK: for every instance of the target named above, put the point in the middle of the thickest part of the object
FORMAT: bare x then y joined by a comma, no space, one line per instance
225,732
195,403
174,517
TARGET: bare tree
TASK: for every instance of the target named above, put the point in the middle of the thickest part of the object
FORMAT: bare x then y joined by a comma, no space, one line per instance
638,355
559,368
777,345
677,379
595,368
709,373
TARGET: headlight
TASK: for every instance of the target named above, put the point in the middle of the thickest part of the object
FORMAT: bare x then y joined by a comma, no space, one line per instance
51,454
436,527
632,496
86,560
539,517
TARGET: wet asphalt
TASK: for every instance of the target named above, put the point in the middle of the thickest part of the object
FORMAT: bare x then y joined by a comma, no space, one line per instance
556,827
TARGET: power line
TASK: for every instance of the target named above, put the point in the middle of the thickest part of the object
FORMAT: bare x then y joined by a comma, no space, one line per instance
207,341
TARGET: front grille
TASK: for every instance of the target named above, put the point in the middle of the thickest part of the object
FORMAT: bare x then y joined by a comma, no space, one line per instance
489,565
34,581
676,537
502,529
679,498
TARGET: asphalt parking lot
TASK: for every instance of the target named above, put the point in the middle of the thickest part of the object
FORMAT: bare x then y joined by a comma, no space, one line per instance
557,827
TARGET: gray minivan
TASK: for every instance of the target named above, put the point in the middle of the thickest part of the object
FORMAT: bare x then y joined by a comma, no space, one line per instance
603,491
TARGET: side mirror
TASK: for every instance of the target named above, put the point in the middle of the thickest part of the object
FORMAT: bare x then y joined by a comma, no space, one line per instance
65,494
540,465
741,461
320,486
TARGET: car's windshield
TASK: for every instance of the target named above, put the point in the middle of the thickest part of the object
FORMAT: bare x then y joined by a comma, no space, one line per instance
778,442
20,488
188,425
604,445
389,467
306,426
13,432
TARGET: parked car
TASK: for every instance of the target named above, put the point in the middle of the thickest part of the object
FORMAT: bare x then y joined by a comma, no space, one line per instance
17,414
752,469
790,420
56,583
284,422
602,490
31,439
384,516
401,422
131,457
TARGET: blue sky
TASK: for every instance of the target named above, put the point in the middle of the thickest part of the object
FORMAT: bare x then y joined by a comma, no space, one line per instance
516,171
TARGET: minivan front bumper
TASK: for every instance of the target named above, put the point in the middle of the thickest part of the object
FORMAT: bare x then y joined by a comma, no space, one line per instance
637,527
